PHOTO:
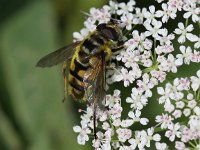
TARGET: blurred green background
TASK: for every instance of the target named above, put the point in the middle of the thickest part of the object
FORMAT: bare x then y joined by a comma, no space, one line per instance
32,115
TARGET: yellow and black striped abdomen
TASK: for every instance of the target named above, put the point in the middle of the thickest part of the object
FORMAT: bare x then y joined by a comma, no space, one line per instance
76,74
91,47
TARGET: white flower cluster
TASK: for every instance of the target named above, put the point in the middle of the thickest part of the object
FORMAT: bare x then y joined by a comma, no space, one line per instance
181,100
152,52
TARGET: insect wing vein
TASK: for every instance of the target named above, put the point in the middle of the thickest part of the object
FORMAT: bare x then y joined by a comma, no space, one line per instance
57,56
94,80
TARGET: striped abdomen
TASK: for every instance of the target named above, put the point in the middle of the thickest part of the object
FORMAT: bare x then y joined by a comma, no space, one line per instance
90,48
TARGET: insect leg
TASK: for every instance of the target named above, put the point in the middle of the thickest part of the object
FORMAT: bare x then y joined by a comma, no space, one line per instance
94,121
118,48
65,79
110,67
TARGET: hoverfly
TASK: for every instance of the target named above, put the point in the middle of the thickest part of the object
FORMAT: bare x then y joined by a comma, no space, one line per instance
88,64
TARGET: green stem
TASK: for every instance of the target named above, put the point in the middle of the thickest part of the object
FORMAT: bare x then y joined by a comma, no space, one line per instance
186,23
153,67
192,144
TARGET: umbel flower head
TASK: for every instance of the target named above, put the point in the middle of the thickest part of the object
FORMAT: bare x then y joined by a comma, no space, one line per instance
147,69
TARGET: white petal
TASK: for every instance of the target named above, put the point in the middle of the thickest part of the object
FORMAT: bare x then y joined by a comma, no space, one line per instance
77,129
180,25
160,90
190,37
178,31
190,28
181,39
156,137
159,13
81,140
198,73
144,121
187,15
152,9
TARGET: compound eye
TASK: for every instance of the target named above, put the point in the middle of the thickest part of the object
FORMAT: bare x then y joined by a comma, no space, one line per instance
101,26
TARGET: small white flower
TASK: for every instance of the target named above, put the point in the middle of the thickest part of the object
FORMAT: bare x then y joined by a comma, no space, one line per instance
125,8
137,100
127,20
126,123
165,94
184,84
146,84
175,5
190,96
186,55
194,122
117,122
83,133
161,146
88,114
177,113
105,126
197,110
166,13
180,145
115,112
127,77
147,44
124,134
175,94
150,136
180,104
196,56
169,107
164,49
192,104
165,120
113,7
150,15
139,140
130,59
160,75
112,99
101,15
197,40
132,43
173,131
184,32
153,29
115,144
170,64
102,115
140,15
186,112
80,36
164,38
195,81
193,12
136,117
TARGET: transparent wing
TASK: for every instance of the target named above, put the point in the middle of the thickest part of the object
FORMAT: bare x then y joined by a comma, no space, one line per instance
94,80
57,56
